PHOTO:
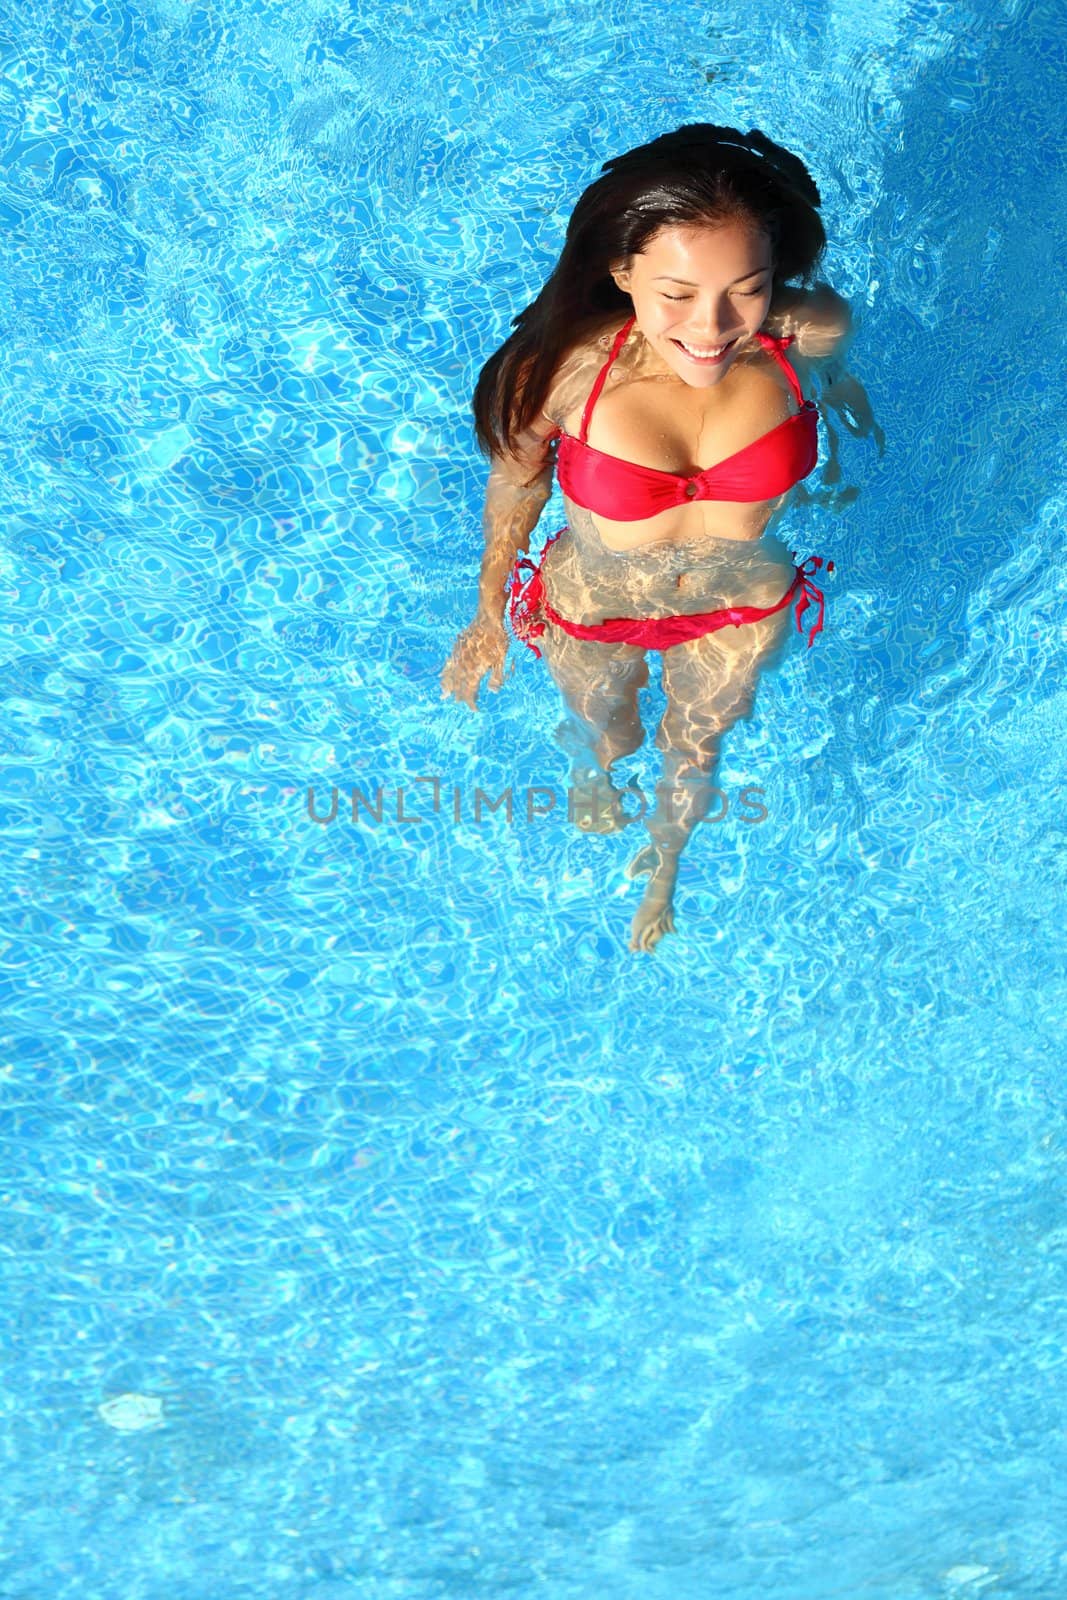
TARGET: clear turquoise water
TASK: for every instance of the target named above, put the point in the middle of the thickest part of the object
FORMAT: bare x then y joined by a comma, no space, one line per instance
452,1249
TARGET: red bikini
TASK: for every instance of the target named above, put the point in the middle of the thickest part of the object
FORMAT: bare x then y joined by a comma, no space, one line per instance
627,492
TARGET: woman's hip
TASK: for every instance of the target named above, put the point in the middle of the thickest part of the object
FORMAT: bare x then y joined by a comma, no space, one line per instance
670,603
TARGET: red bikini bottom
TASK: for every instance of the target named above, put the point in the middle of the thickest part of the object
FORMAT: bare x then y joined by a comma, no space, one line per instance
529,610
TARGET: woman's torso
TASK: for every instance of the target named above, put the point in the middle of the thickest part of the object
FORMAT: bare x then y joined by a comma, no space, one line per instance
689,556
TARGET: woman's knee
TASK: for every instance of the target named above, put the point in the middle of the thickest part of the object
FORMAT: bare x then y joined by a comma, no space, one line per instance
694,743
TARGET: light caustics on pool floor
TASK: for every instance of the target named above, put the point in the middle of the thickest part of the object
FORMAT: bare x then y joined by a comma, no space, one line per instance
375,1224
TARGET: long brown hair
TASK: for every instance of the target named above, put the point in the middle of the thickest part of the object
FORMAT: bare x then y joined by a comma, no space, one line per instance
699,173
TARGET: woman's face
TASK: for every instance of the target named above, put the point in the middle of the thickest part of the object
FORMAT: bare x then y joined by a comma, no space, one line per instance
697,288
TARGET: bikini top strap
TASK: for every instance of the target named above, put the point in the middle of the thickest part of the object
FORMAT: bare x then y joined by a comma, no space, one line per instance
776,348
594,393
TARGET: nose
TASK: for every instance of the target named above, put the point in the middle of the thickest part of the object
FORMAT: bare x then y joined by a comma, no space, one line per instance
714,321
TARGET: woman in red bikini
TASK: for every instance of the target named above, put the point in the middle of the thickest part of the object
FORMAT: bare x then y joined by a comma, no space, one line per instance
651,373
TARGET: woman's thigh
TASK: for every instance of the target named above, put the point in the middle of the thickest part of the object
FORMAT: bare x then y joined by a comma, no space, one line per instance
711,682
598,681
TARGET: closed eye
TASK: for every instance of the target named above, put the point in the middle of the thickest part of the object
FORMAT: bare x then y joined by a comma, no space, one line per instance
745,293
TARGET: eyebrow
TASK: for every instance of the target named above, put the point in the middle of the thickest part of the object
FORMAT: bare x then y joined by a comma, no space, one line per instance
665,278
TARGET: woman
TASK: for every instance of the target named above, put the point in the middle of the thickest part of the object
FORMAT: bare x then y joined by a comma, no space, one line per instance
654,355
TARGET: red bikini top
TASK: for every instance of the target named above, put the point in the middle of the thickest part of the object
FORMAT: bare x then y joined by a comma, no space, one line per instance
628,493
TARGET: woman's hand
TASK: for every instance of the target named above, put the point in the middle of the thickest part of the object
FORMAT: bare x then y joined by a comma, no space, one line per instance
480,648
842,392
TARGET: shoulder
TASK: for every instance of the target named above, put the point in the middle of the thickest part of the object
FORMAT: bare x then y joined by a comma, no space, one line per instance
576,371
578,367
531,450
819,319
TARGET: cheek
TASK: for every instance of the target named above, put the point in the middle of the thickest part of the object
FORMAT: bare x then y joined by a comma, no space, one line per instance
661,316
756,310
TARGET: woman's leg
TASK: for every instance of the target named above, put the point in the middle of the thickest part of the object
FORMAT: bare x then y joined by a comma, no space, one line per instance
599,684
710,684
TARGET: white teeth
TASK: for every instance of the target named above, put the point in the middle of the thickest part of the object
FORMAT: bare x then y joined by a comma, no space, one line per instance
716,350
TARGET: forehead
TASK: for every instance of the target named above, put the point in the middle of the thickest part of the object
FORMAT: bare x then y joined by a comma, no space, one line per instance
708,250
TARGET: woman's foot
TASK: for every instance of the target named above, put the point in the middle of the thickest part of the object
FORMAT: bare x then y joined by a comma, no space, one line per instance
655,915
594,804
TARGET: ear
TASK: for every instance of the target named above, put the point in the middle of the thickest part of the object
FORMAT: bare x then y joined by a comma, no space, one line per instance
621,274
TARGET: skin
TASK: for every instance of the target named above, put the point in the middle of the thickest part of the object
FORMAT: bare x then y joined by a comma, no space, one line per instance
702,286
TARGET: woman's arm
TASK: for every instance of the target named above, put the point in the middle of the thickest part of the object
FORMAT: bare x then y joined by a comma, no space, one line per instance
820,319
822,322
519,484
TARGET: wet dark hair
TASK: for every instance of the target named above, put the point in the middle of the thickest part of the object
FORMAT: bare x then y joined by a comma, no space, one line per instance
697,174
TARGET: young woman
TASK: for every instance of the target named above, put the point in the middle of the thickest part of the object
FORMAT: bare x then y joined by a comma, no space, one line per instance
651,372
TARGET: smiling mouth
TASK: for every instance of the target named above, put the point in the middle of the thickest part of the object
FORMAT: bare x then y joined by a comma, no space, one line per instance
706,353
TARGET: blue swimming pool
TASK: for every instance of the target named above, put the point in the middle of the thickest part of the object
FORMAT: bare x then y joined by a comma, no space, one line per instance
374,1223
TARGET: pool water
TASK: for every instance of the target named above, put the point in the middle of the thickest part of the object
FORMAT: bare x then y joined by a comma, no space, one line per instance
375,1223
